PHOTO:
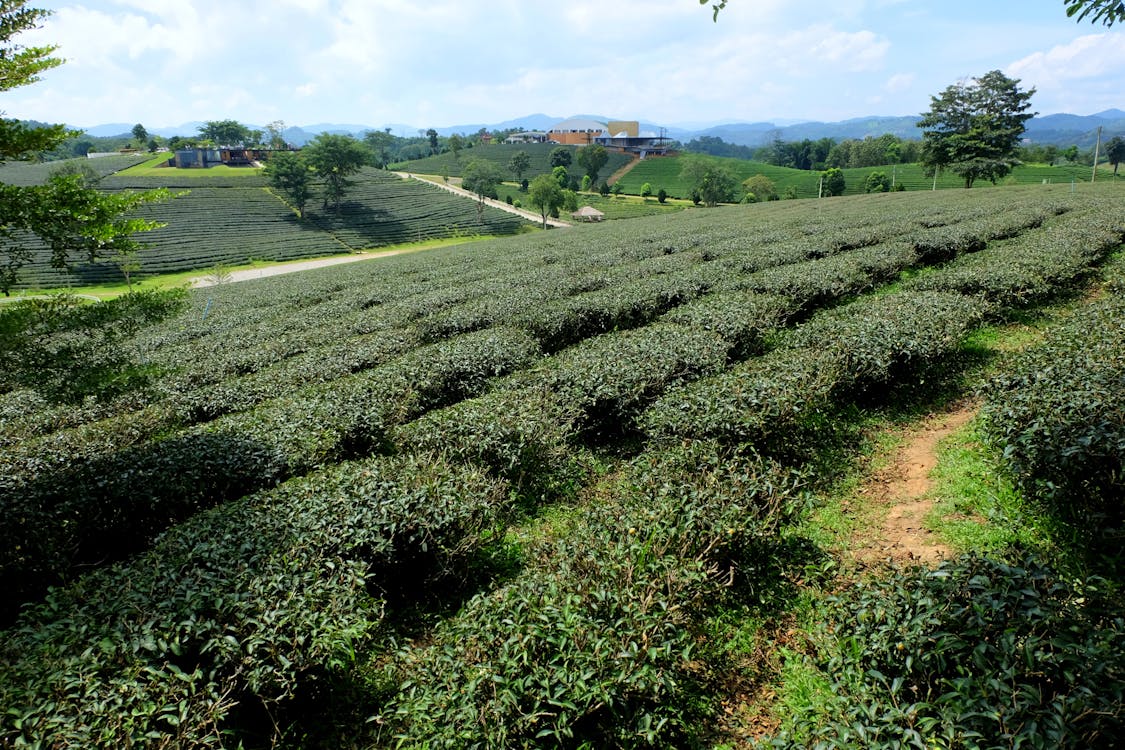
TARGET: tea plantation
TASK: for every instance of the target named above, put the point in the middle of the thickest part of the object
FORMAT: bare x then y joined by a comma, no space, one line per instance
229,220
499,495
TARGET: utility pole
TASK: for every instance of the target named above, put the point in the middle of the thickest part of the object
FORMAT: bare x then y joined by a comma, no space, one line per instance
1097,153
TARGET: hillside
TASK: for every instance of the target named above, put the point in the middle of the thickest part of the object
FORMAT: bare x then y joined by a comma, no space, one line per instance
500,154
231,217
665,172
570,488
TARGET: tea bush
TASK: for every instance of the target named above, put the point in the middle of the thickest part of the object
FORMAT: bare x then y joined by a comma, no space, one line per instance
975,654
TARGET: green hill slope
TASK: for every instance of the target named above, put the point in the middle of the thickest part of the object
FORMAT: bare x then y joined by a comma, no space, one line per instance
235,218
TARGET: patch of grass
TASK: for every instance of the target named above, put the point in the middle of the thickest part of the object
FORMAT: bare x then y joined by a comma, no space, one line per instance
978,509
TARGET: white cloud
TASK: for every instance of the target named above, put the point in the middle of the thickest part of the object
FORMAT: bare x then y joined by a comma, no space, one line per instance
1093,56
899,82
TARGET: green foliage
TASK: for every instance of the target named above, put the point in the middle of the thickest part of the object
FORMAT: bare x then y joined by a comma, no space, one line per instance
1100,11
561,156
234,609
974,130
225,133
761,186
595,646
519,163
289,173
877,182
334,158
68,349
710,179
1058,415
832,181
481,178
592,159
545,194
976,653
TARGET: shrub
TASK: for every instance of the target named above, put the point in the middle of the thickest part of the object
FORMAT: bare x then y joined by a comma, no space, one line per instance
1057,416
977,653
238,608
595,646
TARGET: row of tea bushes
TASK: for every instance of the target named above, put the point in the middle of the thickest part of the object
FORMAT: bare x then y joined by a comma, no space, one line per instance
238,609
594,644
770,399
1034,266
101,497
1057,416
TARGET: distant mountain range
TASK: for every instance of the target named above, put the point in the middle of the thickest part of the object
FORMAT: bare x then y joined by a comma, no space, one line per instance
1057,129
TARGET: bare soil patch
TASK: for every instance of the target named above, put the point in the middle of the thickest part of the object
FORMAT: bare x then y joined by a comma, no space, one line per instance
897,496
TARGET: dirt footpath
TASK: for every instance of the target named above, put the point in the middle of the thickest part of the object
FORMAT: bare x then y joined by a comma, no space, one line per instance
898,495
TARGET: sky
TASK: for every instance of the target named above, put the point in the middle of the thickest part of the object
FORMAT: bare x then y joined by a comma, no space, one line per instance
440,63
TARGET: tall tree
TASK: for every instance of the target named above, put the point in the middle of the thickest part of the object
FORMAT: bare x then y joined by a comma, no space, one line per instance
481,177
1115,152
380,143
974,129
432,136
225,132
456,143
140,135
592,159
275,134
335,158
289,174
519,163
545,194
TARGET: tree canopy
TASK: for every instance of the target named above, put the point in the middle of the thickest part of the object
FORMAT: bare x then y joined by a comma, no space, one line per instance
334,158
481,177
711,181
288,172
973,129
225,132
545,194
59,346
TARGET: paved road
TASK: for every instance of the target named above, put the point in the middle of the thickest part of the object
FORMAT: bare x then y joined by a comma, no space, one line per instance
529,215
304,265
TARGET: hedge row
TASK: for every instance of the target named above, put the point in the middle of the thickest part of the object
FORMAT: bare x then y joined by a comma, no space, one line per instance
594,644
238,609
871,342
108,492
1034,266
1058,414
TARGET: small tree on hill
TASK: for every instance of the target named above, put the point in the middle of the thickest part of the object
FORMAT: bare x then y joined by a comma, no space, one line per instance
877,182
832,182
455,143
761,186
334,158
1115,152
592,159
546,195
519,163
561,156
140,135
289,173
481,177
711,181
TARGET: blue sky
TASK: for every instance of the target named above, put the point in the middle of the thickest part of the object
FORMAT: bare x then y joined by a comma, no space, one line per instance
437,63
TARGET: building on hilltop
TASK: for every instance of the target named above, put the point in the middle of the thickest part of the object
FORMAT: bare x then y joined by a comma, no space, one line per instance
617,135
528,136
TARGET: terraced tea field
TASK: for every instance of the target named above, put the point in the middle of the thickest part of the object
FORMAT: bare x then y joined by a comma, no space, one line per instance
500,495
234,219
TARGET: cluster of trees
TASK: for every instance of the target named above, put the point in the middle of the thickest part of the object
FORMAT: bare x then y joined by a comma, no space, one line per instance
325,164
817,155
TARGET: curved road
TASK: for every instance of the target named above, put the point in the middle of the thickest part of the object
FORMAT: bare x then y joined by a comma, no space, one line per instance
530,215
